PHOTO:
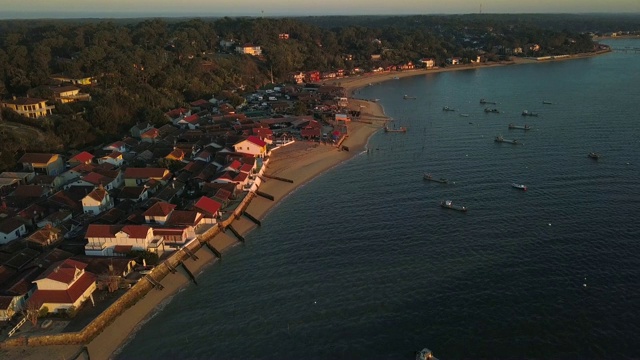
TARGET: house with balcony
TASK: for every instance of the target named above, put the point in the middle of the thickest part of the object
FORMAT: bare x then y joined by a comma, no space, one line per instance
68,94
49,164
65,79
64,285
97,201
119,240
29,107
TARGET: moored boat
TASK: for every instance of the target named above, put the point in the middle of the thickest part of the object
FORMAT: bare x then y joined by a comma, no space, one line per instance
448,204
500,139
401,129
446,108
594,155
528,113
483,101
407,97
494,110
525,127
547,102
464,115
425,354
519,186
431,178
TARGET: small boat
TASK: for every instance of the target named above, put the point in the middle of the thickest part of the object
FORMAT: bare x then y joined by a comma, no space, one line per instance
448,204
431,178
425,354
500,139
494,110
483,101
407,97
464,115
594,155
527,113
401,129
446,108
519,186
525,127
396,78
547,102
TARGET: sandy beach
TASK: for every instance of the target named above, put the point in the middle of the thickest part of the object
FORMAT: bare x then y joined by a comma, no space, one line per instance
301,162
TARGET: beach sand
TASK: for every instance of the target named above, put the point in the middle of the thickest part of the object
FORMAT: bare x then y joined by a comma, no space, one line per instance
301,162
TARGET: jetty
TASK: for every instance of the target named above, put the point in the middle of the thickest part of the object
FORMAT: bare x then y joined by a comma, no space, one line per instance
520,127
428,177
500,139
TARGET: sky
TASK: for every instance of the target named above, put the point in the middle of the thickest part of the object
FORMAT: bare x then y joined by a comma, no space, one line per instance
203,8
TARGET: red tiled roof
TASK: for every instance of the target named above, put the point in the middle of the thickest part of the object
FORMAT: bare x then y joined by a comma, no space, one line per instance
82,157
114,155
176,154
136,231
145,173
98,194
182,217
69,296
94,178
101,231
235,165
208,205
199,102
151,133
176,112
63,271
191,119
246,168
223,194
160,208
240,177
36,158
116,145
256,140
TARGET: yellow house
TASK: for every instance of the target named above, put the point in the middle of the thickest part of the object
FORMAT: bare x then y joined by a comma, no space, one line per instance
67,94
50,164
29,107
252,145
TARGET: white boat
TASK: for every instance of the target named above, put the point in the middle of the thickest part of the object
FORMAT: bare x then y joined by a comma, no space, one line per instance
519,186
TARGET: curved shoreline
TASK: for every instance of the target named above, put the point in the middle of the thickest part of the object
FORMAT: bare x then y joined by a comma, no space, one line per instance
312,160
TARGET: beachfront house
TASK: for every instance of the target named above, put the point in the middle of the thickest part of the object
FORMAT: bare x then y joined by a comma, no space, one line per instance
428,63
119,240
252,146
63,287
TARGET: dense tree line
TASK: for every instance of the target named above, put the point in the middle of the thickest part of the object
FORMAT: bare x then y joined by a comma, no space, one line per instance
148,66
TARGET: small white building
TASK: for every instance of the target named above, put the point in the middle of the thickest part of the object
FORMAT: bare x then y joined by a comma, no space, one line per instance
11,229
96,202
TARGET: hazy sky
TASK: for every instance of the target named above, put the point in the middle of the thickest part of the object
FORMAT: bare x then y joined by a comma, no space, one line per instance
120,8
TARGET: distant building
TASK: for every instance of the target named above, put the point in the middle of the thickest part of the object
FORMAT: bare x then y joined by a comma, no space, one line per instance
249,49
67,94
29,107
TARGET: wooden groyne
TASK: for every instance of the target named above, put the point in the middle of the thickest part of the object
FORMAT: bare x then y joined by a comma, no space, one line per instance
188,252
252,218
265,195
236,233
186,269
215,251
153,282
278,178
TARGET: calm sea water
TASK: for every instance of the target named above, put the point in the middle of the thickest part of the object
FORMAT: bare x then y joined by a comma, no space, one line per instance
362,263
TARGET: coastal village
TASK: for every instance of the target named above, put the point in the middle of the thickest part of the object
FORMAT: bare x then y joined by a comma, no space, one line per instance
86,234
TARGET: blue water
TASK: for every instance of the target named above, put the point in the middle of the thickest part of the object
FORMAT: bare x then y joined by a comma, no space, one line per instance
362,263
